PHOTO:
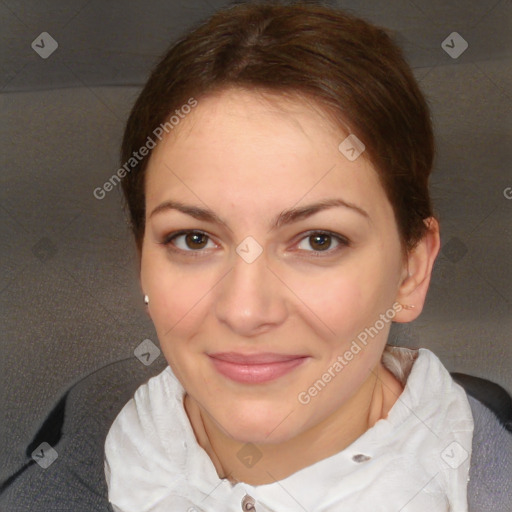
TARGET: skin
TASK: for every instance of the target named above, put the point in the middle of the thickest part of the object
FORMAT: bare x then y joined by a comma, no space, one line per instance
248,157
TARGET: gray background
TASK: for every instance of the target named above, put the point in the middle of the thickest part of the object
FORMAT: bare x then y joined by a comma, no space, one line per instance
69,293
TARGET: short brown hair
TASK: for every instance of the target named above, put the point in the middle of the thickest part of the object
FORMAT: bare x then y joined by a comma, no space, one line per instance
350,68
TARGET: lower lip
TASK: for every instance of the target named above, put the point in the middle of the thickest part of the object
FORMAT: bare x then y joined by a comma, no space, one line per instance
256,373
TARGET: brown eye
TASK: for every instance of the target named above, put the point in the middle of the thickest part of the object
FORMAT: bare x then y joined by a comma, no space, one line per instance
188,241
196,240
322,242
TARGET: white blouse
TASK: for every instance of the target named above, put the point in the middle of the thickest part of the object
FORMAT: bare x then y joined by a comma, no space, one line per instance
415,460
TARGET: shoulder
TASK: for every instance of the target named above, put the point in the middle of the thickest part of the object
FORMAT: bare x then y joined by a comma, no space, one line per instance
76,428
490,485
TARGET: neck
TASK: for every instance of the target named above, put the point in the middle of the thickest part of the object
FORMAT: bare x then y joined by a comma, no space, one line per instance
371,402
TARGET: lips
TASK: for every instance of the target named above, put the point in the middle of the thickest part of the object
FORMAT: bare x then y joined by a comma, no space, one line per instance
255,368
261,358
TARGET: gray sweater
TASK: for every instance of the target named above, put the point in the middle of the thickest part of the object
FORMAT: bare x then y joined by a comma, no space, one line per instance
80,421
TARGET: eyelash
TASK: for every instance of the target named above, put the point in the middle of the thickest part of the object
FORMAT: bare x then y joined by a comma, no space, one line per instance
167,241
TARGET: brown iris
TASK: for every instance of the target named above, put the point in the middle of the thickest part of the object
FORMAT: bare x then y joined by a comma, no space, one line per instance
320,241
196,240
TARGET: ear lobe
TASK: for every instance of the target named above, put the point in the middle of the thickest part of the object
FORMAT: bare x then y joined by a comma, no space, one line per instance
145,297
420,261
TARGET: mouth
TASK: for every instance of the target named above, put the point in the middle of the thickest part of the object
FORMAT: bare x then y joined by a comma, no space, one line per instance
255,368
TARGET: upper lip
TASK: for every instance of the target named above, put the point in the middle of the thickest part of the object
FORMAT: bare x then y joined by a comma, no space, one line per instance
260,358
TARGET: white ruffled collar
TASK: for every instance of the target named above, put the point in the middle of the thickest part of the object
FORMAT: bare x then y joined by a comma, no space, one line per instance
154,463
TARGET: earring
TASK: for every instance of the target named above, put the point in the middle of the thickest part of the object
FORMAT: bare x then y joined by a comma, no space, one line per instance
146,300
408,306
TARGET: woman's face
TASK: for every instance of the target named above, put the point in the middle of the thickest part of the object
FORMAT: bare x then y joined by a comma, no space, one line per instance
257,309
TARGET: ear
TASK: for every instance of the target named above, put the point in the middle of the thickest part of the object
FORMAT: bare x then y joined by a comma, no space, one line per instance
417,271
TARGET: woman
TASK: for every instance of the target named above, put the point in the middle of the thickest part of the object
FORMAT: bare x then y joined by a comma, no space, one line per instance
276,174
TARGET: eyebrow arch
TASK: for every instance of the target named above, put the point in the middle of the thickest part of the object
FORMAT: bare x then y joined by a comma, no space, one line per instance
287,216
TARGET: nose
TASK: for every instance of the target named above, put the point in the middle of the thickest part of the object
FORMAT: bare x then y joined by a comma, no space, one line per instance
251,299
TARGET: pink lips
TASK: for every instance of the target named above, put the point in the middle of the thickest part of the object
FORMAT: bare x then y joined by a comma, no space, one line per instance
255,368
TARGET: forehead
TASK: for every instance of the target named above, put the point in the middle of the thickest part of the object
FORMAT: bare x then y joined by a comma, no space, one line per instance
239,146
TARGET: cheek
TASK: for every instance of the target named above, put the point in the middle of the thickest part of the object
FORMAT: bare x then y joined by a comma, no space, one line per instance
378,268
177,294
335,298
347,296
347,303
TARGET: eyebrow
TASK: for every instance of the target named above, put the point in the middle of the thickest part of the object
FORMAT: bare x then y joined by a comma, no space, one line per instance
286,217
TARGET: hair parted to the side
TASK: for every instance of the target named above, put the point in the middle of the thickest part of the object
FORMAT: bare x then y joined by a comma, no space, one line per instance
350,69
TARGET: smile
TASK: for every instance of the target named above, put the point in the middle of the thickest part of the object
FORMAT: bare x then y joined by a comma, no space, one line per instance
256,368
